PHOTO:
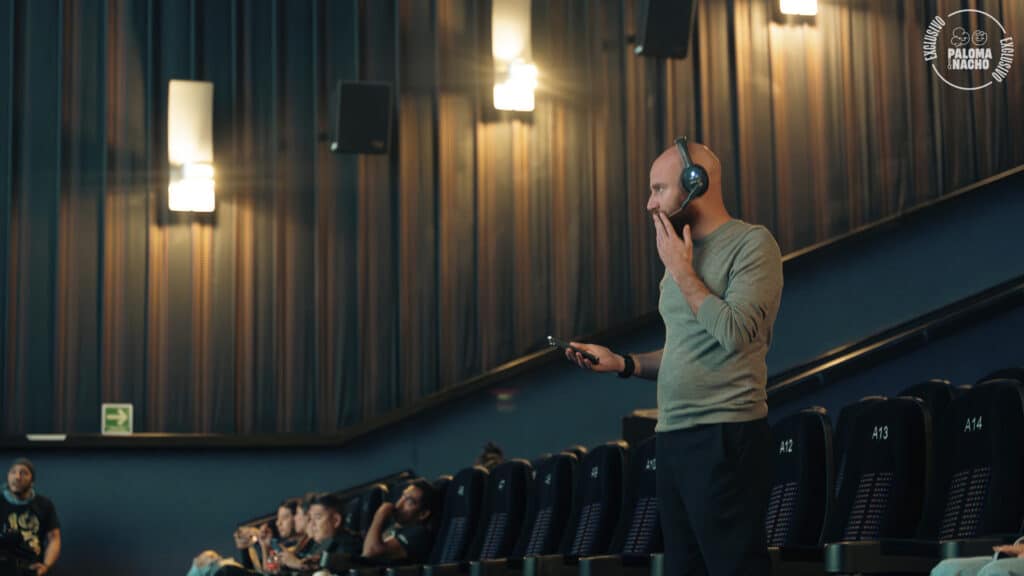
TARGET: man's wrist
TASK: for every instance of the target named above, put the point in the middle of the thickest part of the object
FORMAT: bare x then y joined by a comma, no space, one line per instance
628,366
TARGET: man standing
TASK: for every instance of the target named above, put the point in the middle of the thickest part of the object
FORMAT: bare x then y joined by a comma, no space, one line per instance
31,516
719,298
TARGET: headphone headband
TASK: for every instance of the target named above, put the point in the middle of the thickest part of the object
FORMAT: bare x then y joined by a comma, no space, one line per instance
684,152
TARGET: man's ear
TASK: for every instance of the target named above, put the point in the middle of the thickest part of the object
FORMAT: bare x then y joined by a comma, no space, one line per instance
336,520
424,515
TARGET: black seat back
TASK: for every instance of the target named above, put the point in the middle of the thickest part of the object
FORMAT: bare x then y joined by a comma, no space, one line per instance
368,504
459,515
1008,373
597,501
882,493
440,484
548,506
352,519
578,450
801,495
639,531
847,417
504,508
936,395
980,472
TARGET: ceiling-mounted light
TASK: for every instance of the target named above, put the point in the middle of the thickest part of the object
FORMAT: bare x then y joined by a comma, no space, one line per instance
190,146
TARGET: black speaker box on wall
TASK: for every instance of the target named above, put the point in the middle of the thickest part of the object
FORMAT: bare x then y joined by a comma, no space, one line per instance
664,27
362,118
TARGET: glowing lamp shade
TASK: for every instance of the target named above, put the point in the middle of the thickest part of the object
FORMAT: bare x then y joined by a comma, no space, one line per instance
515,90
799,7
515,74
190,146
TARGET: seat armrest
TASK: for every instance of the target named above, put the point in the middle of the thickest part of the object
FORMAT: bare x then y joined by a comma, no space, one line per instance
549,565
453,569
973,546
497,567
615,565
797,554
658,564
797,560
407,570
879,557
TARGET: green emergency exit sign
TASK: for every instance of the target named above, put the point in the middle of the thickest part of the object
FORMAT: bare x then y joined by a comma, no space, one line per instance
116,419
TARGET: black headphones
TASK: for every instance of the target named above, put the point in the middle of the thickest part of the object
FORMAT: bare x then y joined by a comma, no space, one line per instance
693,178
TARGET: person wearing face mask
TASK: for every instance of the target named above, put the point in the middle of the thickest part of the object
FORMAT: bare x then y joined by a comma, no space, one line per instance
719,298
29,520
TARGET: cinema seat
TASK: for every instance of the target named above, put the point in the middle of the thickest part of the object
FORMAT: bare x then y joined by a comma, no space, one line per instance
801,496
503,508
460,515
548,506
976,501
638,536
882,494
597,506
936,394
847,418
369,501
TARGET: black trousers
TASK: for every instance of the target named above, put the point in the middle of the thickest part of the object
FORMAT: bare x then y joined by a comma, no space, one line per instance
713,485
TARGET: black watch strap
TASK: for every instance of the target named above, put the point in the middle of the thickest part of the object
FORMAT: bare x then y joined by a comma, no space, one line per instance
628,368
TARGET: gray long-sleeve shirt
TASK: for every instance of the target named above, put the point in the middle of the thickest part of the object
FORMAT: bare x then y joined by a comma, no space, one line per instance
713,367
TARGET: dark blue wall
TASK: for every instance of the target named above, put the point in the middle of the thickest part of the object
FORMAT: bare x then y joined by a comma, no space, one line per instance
133,512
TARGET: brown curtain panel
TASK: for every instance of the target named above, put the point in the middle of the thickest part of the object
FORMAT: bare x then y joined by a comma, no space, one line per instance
330,289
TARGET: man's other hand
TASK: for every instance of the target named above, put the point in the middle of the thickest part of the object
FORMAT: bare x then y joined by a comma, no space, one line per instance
607,361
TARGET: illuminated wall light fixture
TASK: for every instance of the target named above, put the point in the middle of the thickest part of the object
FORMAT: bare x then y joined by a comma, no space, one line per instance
798,7
192,187
515,77
514,89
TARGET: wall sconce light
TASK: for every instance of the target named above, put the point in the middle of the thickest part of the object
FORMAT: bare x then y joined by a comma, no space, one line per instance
190,146
515,75
798,7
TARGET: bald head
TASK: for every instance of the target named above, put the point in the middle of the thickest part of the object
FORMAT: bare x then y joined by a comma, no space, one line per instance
669,159
667,194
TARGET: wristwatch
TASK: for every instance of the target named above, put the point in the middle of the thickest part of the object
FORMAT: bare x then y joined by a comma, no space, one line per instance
628,366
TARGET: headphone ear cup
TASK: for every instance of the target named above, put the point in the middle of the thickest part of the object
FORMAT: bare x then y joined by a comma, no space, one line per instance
694,179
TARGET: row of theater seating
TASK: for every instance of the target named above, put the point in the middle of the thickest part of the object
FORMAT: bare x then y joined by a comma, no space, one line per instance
937,471
587,512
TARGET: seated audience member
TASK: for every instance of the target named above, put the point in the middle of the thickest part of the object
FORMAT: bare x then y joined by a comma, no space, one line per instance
251,542
399,531
324,526
273,543
1008,561
209,563
491,456
302,527
287,530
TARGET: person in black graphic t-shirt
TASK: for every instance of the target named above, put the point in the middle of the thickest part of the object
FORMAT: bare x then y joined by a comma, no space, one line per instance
30,519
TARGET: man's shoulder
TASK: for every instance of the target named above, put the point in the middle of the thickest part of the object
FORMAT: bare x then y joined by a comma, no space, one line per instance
755,237
43,502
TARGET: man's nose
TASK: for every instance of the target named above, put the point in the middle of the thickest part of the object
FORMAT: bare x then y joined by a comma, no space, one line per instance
651,204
